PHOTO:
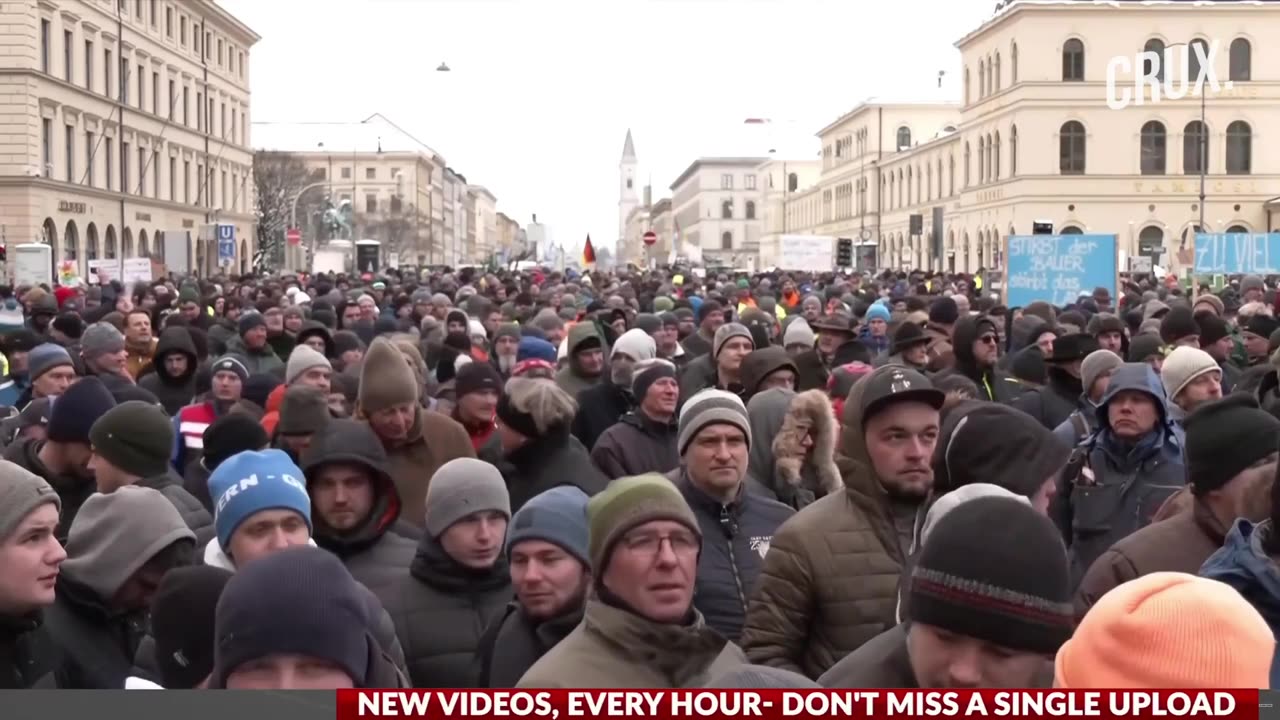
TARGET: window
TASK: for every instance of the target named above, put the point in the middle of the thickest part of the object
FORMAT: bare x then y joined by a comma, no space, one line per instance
322,174
208,120
1195,49
107,64
904,138
371,203
140,14
951,175
208,44
168,22
45,29
751,182
124,81
1239,148
1195,148
226,200
751,210
1153,67
370,173
220,63
222,119
173,99
153,13
232,130
88,65
982,159
70,147
1240,60
155,174
182,31
173,178
109,157
68,54
793,182
142,86
726,182
966,85
46,146
966,164
241,63
1154,148
1013,150
1071,148
982,79
186,181
124,167
346,173
89,151
995,157
996,75
142,171
155,93
195,38
344,198
395,203
244,139
231,58
1073,60
726,240
1013,63
199,184
726,210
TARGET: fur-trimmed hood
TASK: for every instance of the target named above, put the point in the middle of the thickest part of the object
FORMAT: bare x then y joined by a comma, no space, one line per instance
809,411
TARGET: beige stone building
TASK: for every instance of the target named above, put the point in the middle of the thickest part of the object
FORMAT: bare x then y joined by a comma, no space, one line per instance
125,119
782,178
716,204
1032,138
484,222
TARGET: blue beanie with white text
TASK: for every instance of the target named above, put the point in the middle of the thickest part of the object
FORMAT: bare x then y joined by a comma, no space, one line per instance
252,481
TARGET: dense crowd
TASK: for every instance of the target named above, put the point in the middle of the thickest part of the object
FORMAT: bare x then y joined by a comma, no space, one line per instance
637,479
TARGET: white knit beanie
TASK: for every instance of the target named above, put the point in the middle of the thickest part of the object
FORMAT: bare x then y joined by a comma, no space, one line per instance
1184,365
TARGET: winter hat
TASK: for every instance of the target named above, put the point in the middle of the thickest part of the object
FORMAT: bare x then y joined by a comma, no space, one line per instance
877,312
21,492
69,324
386,379
1226,436
557,516
75,410
258,388
726,332
1177,324
231,364
995,570
231,434
761,676
1095,364
182,614
461,487
1213,301
1252,282
635,344
346,341
477,376
710,407
907,335
649,323
1212,328
135,437
627,503
252,481
997,444
11,317
300,601
944,311
101,339
114,535
954,499
304,410
1261,325
532,348
1168,630
648,372
798,332
45,357
249,321
1143,346
1184,365
1104,323
302,359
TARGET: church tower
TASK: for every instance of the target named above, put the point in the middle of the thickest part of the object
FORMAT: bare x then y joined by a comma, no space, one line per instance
628,199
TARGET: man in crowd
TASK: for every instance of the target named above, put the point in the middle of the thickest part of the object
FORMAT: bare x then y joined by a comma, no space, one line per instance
643,440
51,372
506,342
1052,404
173,363
1191,378
251,346
477,388
585,353
601,405
229,375
1216,339
140,343
710,317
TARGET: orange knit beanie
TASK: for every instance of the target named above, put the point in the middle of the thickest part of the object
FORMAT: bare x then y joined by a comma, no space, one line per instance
1168,630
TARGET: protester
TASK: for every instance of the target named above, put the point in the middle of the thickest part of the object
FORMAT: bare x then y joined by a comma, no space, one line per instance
535,443
643,440
603,404
793,461
31,557
173,365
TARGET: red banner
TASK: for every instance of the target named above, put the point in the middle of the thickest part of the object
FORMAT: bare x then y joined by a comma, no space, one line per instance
803,704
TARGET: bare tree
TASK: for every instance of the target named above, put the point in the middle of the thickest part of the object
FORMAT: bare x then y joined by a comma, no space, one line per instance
278,178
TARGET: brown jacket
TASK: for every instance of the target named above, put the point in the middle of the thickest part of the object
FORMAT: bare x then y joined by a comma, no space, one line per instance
433,441
1179,544
830,580
941,354
137,359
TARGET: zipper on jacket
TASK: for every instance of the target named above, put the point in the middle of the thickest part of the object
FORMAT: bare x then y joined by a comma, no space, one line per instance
730,528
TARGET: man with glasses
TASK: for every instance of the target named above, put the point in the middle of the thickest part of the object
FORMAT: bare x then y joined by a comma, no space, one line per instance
976,347
640,628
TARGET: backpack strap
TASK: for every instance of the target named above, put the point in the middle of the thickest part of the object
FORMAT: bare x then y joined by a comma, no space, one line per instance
1081,427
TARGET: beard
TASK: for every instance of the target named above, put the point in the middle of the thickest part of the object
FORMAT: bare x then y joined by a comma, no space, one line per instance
505,363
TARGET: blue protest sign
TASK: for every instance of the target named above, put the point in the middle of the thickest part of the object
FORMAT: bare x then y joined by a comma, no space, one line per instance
1237,253
1058,268
226,243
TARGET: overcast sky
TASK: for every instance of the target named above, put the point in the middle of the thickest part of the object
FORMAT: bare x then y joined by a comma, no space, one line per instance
542,92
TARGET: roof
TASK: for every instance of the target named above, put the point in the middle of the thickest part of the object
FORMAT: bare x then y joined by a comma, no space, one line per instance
377,135
628,147
731,161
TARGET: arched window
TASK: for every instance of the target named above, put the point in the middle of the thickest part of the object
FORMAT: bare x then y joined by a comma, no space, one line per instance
1013,63
1154,65
126,244
143,249
1073,60
50,232
751,210
71,242
919,185
1195,148
793,182
996,73
928,183
995,157
1193,59
1071,230
726,240
1013,151
1237,229
982,79
940,194
888,202
1154,148
966,164
1071,148
982,160
904,138
1241,59
1150,240
91,242
726,209
109,243
1239,148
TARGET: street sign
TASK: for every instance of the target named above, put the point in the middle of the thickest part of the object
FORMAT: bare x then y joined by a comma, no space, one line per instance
650,237
294,236
226,244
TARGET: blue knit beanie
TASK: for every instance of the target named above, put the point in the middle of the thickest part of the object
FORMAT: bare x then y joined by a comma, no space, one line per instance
532,348
878,312
252,481
557,516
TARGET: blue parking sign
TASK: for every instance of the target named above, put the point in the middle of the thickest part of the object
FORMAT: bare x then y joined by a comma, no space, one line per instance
226,243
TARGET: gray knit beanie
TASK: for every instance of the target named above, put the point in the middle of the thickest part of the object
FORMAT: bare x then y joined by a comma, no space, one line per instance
557,516
21,492
462,487
101,338
727,332
709,407
1096,364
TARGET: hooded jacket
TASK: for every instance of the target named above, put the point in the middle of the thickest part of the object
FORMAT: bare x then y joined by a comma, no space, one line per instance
1052,404
514,642
551,460
992,383
27,653
1244,564
441,610
193,512
570,378
259,362
174,393
760,364
635,445
830,581
981,442
779,466
72,490
1111,488
600,407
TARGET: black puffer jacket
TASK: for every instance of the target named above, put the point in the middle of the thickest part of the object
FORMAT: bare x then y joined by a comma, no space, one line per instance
441,610
514,642
992,384
636,445
1052,404
735,539
95,648
599,408
27,653
174,393
552,460
192,510
72,491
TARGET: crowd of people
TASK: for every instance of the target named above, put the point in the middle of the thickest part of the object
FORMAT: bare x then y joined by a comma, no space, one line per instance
637,479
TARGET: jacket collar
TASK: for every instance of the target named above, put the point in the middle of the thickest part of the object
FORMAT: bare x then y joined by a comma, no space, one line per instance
676,651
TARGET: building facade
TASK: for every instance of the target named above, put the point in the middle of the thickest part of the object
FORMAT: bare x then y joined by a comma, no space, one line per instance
716,204
782,178
128,120
485,223
1032,138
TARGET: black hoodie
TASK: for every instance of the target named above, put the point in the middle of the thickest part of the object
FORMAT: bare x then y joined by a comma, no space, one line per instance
991,383
177,392
1052,404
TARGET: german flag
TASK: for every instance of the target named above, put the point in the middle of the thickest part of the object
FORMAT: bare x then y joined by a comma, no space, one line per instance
588,253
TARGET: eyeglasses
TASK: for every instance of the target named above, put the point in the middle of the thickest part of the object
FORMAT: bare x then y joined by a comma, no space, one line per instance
646,544
990,339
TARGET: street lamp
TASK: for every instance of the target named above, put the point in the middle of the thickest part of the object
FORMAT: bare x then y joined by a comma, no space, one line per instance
293,208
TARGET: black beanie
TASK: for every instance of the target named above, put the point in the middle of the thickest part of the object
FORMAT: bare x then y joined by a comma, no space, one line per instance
249,321
1212,328
477,376
1144,346
1226,436
944,311
182,624
258,387
1177,324
230,434
69,324
135,437
76,410
995,569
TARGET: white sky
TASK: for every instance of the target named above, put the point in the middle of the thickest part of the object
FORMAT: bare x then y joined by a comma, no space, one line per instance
542,91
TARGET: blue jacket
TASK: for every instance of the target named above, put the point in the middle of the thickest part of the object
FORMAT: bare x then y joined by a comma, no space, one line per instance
876,344
1244,565
10,393
1111,488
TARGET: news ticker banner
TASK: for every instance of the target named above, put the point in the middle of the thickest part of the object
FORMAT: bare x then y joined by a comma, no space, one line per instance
707,704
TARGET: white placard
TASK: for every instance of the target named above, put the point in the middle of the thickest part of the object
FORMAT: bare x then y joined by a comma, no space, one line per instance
136,270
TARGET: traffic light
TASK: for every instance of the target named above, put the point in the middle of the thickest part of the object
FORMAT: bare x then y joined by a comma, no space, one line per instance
844,252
